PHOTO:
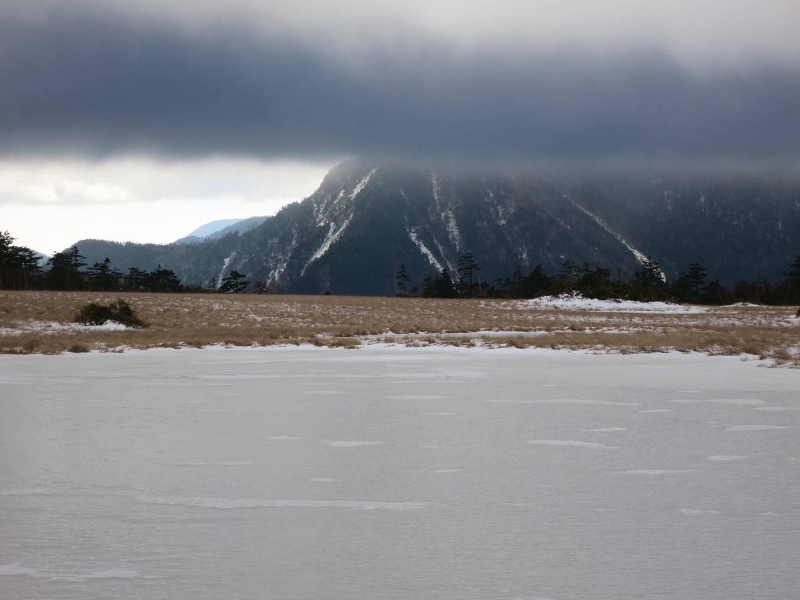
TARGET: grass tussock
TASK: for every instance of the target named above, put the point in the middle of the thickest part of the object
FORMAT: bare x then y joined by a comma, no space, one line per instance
117,311
37,322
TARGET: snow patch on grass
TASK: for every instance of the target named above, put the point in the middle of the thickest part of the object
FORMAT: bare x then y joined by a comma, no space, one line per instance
53,327
578,302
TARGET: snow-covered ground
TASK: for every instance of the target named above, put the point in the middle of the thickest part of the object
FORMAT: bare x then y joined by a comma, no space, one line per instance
398,473
50,327
578,302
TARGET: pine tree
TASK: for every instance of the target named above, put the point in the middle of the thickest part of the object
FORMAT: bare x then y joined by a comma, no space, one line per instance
136,279
162,280
467,264
650,275
537,283
65,273
235,283
7,263
19,266
716,293
103,277
428,287
401,280
793,280
514,286
444,285
682,287
697,278
569,270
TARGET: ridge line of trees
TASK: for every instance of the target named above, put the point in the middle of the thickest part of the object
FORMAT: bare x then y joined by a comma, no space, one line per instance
67,270
647,284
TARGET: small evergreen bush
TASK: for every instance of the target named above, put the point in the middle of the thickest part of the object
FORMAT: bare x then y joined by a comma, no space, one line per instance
118,311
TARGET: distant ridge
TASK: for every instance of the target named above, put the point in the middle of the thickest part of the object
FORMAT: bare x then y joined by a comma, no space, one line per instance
217,229
367,218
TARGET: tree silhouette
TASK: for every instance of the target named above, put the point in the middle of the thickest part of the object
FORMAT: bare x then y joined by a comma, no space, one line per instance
444,285
401,280
64,273
793,280
467,264
136,279
103,277
697,278
19,266
569,270
162,280
234,283
715,293
649,276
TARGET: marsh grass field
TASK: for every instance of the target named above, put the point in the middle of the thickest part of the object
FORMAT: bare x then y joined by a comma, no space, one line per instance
41,323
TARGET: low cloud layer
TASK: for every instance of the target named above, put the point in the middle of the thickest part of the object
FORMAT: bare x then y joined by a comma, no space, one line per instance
97,83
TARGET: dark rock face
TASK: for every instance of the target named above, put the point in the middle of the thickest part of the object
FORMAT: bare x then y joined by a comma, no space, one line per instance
368,218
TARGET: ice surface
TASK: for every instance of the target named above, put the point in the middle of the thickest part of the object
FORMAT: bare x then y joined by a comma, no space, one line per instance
89,491
19,569
754,427
227,503
26,492
655,471
417,397
350,444
233,463
604,429
567,401
734,401
575,443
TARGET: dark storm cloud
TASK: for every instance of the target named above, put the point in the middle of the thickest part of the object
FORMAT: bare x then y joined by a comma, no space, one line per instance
98,84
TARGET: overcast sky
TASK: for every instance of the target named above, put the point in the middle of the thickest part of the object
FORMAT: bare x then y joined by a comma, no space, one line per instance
141,120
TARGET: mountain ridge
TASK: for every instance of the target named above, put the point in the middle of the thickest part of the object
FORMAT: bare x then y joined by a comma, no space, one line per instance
220,228
367,218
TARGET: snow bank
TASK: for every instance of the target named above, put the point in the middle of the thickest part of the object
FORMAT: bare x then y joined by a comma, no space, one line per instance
578,302
54,327
741,304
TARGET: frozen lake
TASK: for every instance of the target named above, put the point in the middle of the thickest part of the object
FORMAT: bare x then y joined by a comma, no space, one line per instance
398,473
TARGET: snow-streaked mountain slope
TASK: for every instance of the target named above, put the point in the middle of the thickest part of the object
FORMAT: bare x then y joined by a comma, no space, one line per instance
367,218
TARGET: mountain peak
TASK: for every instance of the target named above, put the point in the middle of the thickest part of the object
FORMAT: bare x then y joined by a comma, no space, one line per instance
369,217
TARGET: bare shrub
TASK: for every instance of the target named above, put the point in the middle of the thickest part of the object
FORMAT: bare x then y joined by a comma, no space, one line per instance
117,311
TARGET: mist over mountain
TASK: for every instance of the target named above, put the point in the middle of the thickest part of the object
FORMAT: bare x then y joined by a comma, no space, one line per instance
367,218
220,228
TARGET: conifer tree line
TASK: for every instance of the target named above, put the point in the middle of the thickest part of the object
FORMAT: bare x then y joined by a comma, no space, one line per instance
68,271
694,285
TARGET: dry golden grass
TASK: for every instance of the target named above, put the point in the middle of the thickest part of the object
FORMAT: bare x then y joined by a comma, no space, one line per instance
199,320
